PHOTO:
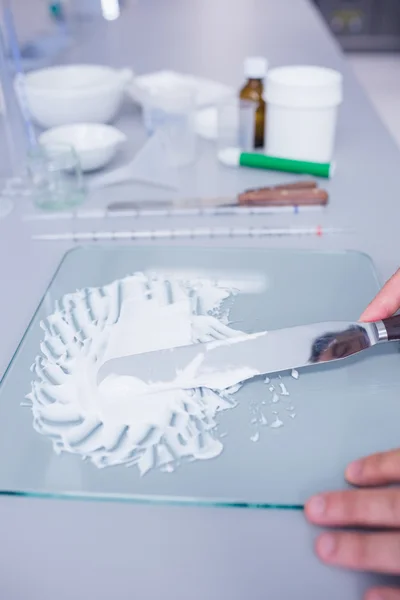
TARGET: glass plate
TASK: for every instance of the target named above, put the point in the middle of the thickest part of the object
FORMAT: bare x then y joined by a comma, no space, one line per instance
277,448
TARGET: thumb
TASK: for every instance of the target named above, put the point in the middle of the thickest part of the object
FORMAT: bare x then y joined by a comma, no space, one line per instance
386,303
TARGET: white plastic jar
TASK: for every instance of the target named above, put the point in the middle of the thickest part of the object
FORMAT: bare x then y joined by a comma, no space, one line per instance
303,103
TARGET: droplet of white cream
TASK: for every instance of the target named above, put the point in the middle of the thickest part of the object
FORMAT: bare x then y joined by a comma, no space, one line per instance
255,437
284,391
295,374
263,419
168,468
275,398
277,423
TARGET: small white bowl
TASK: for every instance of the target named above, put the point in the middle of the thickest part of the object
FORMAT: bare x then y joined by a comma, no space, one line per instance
73,94
95,144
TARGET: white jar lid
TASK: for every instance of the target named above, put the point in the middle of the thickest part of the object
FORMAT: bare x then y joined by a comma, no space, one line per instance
304,86
255,67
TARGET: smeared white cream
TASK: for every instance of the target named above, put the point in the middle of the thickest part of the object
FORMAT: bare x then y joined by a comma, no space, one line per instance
277,423
246,282
125,420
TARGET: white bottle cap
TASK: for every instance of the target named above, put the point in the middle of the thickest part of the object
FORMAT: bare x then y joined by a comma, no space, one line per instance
255,67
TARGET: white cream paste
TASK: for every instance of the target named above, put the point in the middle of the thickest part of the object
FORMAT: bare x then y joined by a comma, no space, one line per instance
277,423
284,391
263,419
279,393
125,421
114,424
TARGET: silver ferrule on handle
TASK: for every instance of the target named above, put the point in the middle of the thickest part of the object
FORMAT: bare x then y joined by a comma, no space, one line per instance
381,331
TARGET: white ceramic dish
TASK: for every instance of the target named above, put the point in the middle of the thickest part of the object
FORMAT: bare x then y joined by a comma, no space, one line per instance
95,144
73,94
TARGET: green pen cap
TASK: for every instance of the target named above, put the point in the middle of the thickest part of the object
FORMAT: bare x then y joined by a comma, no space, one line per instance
272,163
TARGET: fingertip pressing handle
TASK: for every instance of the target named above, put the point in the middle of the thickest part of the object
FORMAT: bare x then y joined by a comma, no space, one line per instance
392,325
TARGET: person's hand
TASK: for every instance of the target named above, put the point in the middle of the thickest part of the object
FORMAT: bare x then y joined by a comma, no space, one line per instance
363,508
377,508
386,303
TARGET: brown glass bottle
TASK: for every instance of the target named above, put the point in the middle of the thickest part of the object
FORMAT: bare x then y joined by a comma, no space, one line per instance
253,90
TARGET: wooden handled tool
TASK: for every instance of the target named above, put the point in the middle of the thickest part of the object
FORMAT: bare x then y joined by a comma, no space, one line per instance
284,197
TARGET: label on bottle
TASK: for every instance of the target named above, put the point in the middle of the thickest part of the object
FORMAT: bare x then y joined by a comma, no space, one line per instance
247,124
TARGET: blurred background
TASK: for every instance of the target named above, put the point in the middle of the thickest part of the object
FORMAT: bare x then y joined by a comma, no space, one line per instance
364,25
369,31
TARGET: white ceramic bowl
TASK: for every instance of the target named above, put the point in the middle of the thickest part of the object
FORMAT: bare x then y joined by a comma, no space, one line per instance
73,94
95,144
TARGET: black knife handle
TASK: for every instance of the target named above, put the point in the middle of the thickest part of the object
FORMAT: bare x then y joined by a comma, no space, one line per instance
392,325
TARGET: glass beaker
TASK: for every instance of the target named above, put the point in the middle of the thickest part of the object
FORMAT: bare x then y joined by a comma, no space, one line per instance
56,177
16,132
236,124
171,113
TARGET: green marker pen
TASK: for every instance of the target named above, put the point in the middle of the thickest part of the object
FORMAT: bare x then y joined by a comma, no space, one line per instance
233,157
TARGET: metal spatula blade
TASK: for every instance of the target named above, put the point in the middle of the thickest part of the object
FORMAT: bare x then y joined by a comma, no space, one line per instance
256,354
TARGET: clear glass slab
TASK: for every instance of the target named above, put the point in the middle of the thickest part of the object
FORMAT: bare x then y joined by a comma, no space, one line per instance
276,450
